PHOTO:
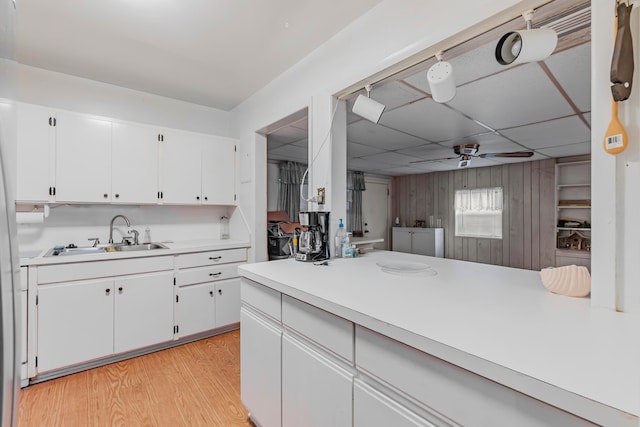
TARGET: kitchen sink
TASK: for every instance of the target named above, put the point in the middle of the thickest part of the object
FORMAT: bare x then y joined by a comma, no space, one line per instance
140,247
120,247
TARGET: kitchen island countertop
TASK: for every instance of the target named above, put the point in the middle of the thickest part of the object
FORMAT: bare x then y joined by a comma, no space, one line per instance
497,322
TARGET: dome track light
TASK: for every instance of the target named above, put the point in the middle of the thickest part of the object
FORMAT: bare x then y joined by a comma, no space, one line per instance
368,108
441,81
530,45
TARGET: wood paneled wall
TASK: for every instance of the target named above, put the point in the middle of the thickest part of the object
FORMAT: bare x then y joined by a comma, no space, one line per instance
528,239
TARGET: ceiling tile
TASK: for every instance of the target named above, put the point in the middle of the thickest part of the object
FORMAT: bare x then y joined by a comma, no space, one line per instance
358,150
572,69
565,131
536,156
521,96
303,143
288,134
568,150
489,142
366,133
397,171
389,158
289,152
428,152
432,121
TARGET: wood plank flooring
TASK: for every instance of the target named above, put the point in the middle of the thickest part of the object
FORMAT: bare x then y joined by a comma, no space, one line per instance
196,384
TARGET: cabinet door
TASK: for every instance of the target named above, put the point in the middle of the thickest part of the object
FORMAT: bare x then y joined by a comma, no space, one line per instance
227,302
75,323
36,145
195,309
401,240
143,310
83,158
134,168
218,171
260,368
371,408
181,168
424,242
315,391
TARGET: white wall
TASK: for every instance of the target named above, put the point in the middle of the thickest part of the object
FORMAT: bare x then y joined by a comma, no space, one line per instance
391,32
42,87
615,266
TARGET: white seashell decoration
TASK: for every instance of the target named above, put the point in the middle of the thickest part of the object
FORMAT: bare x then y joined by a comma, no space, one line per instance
569,280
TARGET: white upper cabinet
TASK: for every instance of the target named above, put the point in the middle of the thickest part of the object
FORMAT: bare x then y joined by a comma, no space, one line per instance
134,163
77,158
218,171
181,173
36,148
83,159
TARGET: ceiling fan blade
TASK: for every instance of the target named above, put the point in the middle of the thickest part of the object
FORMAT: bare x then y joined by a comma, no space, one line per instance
513,154
434,160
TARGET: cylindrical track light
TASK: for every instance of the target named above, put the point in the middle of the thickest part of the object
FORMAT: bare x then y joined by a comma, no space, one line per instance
441,81
517,47
367,108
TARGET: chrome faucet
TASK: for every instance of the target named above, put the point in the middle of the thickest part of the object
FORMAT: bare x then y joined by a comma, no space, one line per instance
111,225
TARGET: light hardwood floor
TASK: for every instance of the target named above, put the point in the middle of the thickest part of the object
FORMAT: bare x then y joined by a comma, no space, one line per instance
196,384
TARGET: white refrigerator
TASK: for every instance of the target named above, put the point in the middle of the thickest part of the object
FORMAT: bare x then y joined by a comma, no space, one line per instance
9,263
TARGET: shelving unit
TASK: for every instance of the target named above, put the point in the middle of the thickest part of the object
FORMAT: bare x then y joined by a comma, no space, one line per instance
573,213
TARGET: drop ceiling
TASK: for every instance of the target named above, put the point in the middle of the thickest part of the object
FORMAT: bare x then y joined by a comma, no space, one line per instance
542,107
208,52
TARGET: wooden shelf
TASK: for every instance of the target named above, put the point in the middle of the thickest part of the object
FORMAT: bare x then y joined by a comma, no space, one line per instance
572,207
572,229
561,186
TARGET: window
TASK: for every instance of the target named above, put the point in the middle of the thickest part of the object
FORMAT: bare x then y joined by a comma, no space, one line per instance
479,213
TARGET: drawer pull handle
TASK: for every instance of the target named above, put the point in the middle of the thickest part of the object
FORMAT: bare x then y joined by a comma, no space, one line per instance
215,258
215,274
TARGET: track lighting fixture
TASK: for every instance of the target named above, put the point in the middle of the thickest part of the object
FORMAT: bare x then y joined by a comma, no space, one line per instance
367,108
441,81
530,45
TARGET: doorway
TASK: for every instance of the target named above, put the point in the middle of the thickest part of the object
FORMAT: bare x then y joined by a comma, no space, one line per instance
376,211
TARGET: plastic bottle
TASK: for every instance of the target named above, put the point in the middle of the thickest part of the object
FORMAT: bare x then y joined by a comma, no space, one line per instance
147,235
340,236
346,246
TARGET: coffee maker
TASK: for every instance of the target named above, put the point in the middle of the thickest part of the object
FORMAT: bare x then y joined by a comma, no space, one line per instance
313,243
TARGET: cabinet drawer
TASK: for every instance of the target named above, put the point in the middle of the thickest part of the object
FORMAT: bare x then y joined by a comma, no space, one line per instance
97,269
188,276
453,392
328,330
211,258
262,298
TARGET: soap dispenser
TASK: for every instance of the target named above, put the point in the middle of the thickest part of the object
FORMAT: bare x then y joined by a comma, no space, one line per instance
147,235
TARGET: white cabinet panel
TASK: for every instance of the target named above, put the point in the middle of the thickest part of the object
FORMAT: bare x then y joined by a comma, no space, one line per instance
260,368
75,323
227,294
181,173
315,391
143,311
196,309
211,258
420,241
372,408
134,169
83,158
188,276
36,148
218,171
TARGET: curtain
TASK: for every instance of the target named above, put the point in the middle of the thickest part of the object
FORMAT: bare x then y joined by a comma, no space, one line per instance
289,182
355,184
479,200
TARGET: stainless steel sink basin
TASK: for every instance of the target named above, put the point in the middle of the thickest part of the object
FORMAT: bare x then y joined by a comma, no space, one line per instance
58,251
140,247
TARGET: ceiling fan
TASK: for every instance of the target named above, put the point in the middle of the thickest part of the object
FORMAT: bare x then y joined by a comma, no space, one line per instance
465,152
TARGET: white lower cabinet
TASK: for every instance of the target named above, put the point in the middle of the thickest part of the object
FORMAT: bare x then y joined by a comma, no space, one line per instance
86,320
195,308
315,390
143,312
227,299
260,367
373,408
75,323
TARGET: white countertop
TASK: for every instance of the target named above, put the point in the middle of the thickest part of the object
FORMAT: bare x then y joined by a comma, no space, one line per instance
173,248
498,322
